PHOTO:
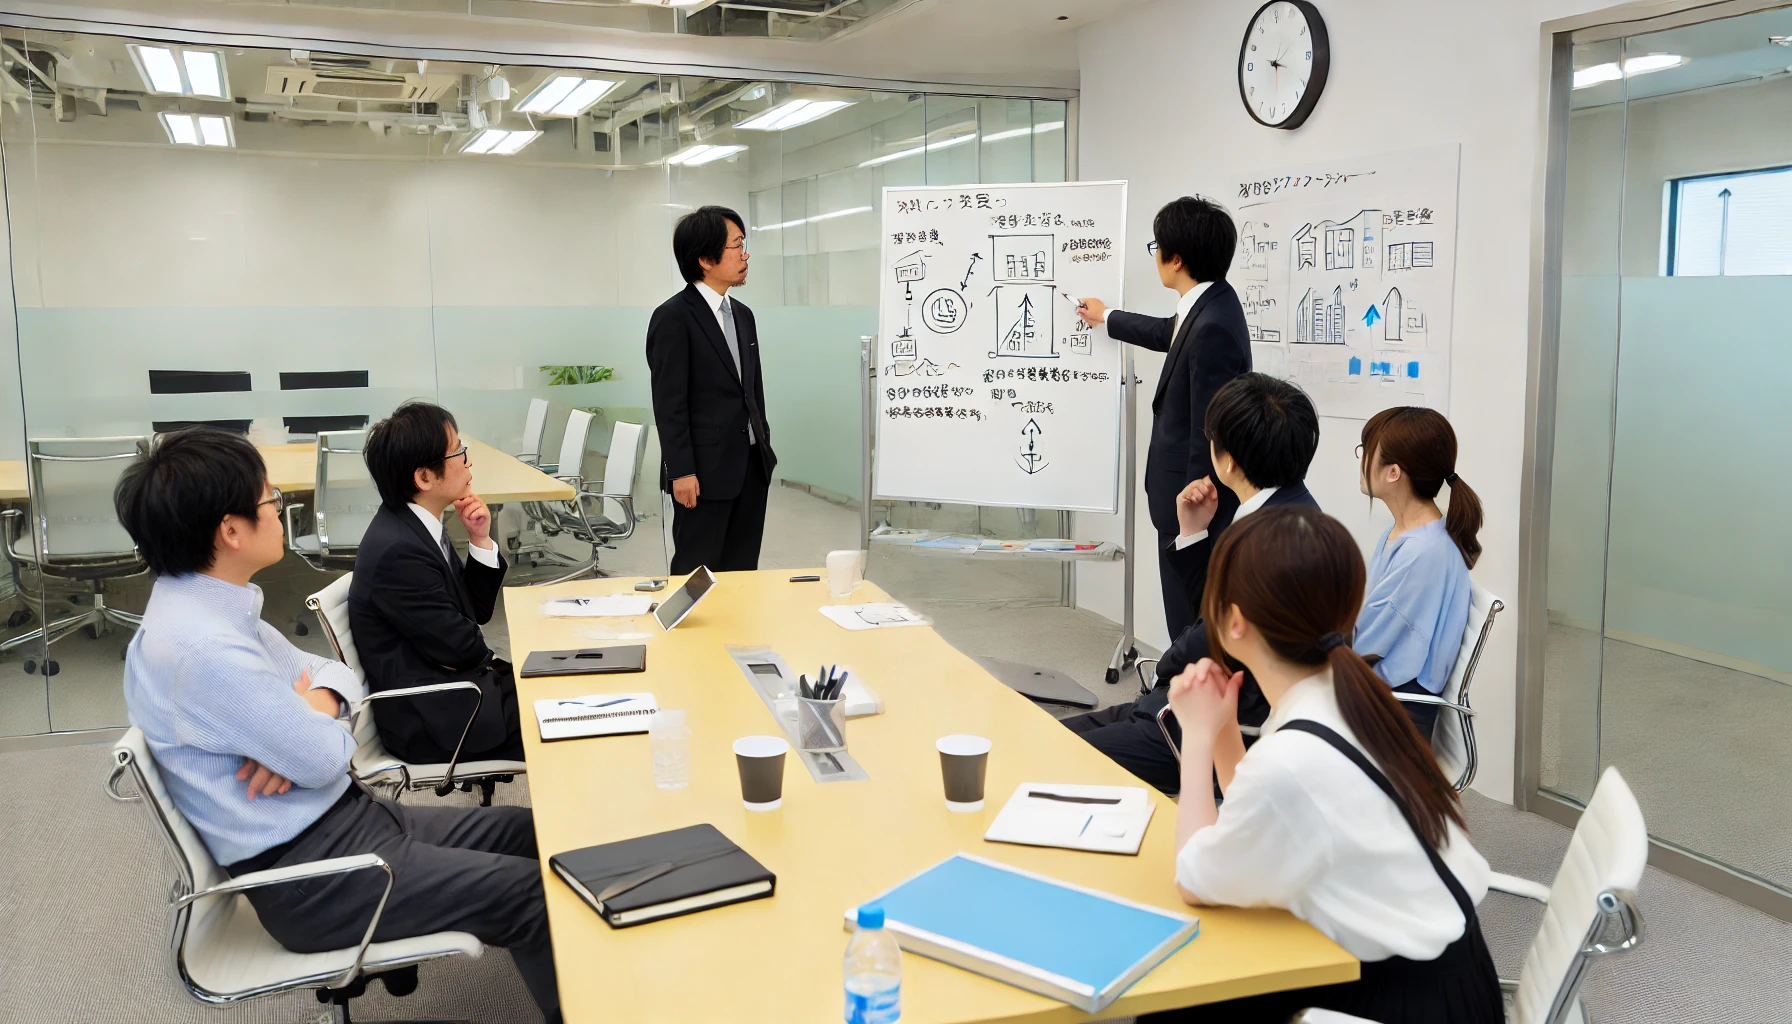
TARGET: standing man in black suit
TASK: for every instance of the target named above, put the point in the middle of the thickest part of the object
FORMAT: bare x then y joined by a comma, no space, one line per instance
1207,345
415,609
709,399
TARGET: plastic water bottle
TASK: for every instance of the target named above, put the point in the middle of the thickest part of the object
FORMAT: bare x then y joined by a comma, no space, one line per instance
873,971
669,737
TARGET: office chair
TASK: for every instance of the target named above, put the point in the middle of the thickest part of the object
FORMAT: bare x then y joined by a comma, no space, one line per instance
371,763
596,518
1588,913
533,424
221,952
75,542
346,500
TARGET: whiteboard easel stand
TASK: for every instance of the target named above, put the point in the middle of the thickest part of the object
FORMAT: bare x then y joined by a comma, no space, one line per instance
1126,652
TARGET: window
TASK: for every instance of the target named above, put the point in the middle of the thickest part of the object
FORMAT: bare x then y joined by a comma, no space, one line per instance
1730,224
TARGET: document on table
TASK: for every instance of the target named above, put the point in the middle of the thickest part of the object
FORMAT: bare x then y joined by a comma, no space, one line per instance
874,616
1102,819
607,605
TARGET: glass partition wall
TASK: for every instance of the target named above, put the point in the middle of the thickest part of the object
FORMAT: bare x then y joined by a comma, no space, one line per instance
288,244
1669,645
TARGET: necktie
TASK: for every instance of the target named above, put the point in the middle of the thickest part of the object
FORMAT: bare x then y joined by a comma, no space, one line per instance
733,338
448,551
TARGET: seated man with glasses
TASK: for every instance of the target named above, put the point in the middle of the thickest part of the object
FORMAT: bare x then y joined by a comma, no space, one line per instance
415,607
253,738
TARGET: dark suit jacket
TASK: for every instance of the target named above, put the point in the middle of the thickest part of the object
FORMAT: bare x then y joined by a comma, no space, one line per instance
415,621
1191,646
1213,346
701,405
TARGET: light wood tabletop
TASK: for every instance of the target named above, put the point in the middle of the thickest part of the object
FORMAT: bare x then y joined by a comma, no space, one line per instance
497,476
834,845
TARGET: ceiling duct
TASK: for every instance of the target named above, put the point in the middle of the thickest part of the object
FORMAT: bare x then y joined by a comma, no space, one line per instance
356,83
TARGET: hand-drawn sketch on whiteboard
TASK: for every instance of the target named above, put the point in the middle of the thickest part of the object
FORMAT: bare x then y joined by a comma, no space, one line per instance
995,392
1347,276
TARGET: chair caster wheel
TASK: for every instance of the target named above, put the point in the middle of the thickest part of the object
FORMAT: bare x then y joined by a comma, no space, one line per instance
300,629
1113,675
50,668
92,629
18,618
30,666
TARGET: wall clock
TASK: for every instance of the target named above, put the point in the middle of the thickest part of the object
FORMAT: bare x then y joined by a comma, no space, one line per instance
1283,63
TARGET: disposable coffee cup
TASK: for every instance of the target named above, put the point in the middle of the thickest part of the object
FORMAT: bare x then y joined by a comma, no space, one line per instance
845,570
964,760
761,763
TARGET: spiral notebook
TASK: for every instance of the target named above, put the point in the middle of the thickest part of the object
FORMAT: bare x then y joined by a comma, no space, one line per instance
598,714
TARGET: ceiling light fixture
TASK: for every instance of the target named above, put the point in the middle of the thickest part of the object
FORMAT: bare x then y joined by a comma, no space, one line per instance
1015,133
498,142
198,129
565,96
176,71
791,113
700,154
958,140
1645,64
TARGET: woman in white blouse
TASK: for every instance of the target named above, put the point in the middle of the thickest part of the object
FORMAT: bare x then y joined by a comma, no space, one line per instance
1339,812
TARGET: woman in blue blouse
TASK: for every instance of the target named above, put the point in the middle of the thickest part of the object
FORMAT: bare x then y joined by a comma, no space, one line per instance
1416,608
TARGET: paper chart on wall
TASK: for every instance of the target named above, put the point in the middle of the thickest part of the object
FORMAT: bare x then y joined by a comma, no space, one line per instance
990,389
1347,273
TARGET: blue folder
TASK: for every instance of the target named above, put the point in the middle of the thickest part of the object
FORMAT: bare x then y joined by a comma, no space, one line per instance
1060,940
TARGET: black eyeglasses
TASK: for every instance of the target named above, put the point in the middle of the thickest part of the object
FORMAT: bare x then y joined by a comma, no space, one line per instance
1151,247
278,501
459,453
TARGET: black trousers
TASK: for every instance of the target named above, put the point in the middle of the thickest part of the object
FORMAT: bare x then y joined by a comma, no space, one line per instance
498,680
1129,736
724,534
472,870
1178,613
1423,715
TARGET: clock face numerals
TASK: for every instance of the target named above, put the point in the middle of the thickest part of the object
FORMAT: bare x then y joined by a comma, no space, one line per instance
1282,63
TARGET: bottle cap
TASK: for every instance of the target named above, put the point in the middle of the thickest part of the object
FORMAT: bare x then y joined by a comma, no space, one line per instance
871,915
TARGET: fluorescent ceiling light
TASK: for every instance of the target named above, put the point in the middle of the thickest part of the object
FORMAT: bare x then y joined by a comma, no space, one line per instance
700,154
565,96
1640,65
791,113
799,222
198,129
956,140
173,71
499,142
1015,133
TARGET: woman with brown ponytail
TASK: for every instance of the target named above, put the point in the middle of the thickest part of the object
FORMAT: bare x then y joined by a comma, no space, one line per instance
1410,628
1339,812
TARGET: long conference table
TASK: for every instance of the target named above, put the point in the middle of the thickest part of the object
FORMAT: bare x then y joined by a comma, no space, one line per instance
497,477
832,846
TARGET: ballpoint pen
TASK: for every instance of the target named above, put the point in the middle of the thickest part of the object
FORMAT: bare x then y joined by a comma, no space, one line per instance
605,704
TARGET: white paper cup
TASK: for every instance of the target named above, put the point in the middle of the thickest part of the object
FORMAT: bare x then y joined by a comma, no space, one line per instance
964,761
845,570
761,763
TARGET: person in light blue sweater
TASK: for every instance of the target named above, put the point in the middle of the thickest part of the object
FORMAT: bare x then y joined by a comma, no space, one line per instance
1416,607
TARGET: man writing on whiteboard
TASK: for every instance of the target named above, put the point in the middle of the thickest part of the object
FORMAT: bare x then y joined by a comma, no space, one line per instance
1207,344
709,399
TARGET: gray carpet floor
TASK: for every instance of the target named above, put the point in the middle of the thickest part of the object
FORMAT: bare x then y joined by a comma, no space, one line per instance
83,879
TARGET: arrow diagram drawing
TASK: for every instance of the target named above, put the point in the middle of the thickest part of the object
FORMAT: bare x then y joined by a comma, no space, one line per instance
966,283
1371,316
1031,460
1723,232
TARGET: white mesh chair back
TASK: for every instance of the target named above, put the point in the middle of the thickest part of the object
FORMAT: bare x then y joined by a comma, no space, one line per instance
1453,740
572,446
346,495
623,466
73,479
1605,856
533,425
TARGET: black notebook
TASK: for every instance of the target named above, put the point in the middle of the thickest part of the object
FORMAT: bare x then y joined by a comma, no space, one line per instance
666,874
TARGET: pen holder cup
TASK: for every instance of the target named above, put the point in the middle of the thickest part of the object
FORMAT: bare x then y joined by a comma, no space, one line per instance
821,725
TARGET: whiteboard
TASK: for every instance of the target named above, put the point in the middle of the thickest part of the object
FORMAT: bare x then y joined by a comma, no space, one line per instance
990,389
1347,273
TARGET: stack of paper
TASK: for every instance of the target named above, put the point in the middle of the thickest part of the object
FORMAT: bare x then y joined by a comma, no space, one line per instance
873,616
609,604
1103,819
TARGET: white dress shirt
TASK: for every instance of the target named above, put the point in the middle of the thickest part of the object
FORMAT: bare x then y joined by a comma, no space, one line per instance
1186,303
486,556
715,300
1304,829
1245,508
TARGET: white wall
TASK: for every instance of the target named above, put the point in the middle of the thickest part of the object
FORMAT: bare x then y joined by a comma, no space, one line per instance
1160,107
